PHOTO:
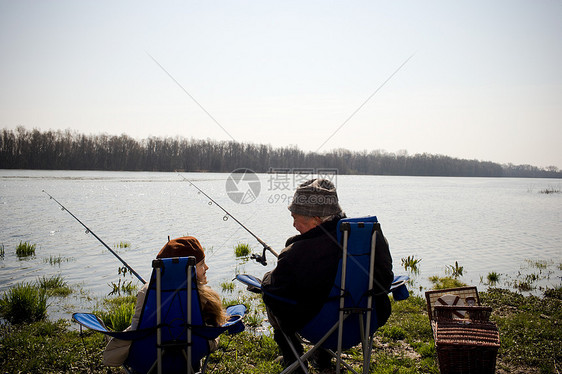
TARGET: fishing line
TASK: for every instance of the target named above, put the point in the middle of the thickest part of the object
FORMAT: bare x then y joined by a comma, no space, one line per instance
259,258
88,231
190,96
234,232
365,102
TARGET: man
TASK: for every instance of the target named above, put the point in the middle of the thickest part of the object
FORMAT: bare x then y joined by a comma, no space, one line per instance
306,268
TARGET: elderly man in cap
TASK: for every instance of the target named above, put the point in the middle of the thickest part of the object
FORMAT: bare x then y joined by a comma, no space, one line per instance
306,267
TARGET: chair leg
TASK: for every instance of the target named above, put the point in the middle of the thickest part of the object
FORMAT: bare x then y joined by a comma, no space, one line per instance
367,354
188,362
342,362
319,343
304,357
204,366
295,353
153,368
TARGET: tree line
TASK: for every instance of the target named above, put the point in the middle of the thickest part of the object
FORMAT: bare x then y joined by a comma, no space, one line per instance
70,150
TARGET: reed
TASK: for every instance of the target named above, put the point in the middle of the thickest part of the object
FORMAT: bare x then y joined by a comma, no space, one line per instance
550,190
493,278
253,320
454,270
541,265
227,286
441,283
54,260
121,316
52,282
122,287
242,250
524,285
25,249
24,303
411,263
119,312
55,285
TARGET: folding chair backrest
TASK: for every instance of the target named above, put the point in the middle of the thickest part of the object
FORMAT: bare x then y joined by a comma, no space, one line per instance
361,232
174,285
358,283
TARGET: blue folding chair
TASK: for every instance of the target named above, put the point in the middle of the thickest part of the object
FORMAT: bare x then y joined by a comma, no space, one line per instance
171,336
349,317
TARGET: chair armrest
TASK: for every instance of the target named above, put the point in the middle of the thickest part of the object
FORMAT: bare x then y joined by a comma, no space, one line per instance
253,283
90,321
399,289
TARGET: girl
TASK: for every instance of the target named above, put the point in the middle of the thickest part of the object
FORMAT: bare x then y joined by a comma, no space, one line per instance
214,314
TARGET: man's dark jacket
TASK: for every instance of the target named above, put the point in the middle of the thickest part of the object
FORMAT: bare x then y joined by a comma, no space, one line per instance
306,270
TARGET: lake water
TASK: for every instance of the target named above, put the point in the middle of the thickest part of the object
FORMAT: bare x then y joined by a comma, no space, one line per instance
485,224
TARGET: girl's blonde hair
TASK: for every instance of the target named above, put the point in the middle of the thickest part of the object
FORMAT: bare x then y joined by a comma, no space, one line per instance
211,306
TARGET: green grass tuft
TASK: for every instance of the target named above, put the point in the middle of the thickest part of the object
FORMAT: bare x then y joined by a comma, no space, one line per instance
493,278
56,260
122,287
440,283
119,313
24,303
242,250
393,332
25,249
454,270
121,317
411,263
55,286
227,286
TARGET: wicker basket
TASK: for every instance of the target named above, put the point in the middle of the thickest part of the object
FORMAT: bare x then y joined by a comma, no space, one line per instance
465,340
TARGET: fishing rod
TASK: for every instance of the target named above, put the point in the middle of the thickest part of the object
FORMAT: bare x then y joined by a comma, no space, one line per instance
88,231
259,258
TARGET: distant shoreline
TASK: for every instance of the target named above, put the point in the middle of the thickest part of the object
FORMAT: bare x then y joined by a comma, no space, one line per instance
67,150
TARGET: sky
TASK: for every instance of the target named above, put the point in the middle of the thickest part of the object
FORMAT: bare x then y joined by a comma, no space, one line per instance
468,79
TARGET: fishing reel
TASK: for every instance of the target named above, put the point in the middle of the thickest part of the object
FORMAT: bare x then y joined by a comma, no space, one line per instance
260,258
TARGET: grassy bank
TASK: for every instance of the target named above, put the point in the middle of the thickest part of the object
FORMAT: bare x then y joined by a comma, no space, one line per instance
530,331
530,327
